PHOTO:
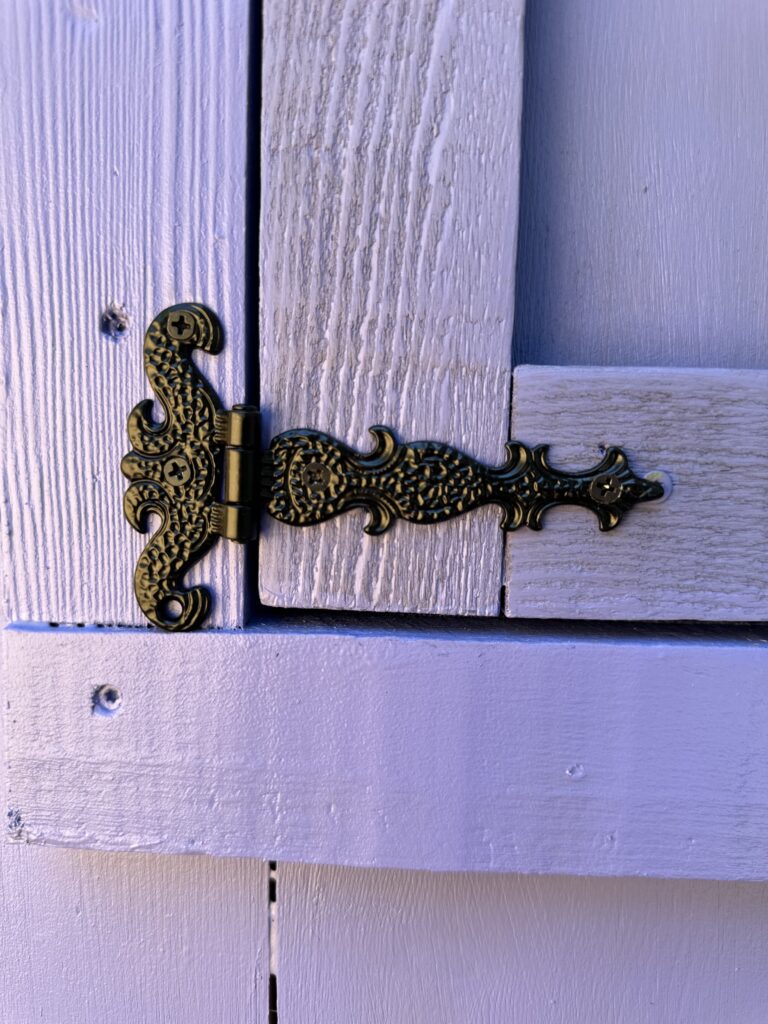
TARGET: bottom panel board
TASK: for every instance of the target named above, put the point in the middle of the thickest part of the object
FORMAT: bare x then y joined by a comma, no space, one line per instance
416,948
88,938
446,750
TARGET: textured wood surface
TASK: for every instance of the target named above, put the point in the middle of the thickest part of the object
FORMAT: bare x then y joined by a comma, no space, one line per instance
474,750
126,938
697,555
643,221
122,182
89,937
383,946
388,238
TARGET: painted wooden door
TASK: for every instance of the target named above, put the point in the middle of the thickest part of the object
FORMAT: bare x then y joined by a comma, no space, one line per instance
530,753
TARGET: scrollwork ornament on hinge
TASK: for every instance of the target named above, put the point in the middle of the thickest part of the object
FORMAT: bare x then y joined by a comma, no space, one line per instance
201,471
309,477
174,466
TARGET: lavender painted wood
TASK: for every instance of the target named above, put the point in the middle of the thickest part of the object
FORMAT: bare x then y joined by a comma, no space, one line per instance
519,948
695,556
123,182
418,948
507,751
390,153
644,227
92,937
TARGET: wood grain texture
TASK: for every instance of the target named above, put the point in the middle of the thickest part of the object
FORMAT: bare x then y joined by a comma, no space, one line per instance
644,226
697,555
383,946
126,938
92,937
390,154
447,750
123,181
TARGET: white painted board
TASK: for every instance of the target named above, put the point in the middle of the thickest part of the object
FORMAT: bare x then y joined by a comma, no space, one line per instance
123,181
92,937
643,221
390,154
418,948
696,555
88,937
487,750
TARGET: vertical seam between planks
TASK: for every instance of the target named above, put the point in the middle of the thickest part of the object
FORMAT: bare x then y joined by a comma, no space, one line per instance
252,290
501,613
272,904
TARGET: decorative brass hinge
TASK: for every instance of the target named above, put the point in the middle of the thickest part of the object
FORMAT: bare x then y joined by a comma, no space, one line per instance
202,470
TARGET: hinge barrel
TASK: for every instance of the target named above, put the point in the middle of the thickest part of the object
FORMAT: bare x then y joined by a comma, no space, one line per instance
236,517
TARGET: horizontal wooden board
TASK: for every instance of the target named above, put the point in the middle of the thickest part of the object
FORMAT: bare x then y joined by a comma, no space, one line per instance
418,948
122,185
696,555
390,152
501,750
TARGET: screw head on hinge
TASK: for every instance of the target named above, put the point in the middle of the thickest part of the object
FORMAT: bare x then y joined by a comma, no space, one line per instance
605,489
177,471
181,326
316,476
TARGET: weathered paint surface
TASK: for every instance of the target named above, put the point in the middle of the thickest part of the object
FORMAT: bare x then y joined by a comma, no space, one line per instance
643,241
122,185
503,750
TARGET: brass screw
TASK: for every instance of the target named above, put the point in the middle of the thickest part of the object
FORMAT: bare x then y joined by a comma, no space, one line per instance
181,326
177,471
315,476
605,489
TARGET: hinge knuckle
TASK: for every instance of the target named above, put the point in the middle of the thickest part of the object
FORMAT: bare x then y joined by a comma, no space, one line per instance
236,517
239,427
234,522
240,475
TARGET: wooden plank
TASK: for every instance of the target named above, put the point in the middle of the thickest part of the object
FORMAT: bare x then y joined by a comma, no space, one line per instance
123,182
643,225
500,750
694,556
93,937
390,156
418,948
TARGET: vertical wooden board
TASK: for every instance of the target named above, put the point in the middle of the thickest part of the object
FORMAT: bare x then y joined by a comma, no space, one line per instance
417,948
91,937
123,181
390,152
695,555
643,221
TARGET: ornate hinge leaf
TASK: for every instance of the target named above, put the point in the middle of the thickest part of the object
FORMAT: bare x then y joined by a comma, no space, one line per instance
201,471
173,467
309,477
